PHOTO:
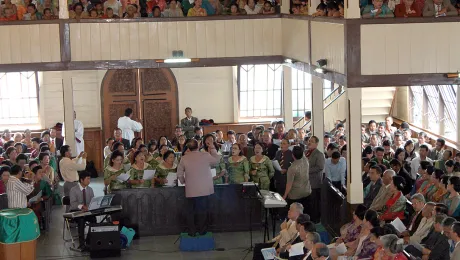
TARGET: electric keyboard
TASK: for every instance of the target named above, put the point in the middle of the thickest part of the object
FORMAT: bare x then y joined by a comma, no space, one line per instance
271,199
97,212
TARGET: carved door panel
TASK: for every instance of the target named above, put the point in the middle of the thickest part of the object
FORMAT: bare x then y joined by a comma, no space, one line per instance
151,93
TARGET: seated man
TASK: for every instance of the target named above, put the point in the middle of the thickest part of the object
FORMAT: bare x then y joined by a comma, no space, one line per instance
319,252
287,234
377,10
384,193
373,188
80,197
304,226
435,246
418,203
424,226
439,8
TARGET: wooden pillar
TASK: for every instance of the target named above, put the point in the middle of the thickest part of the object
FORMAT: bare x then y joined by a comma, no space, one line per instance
317,112
354,182
68,111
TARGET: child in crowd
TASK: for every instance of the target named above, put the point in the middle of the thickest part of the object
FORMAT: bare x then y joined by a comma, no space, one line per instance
295,9
304,8
32,13
131,12
333,9
47,15
9,15
99,9
109,14
234,9
268,8
321,10
156,12
93,14
377,9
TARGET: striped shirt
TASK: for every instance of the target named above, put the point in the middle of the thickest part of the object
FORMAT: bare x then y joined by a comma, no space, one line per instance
17,192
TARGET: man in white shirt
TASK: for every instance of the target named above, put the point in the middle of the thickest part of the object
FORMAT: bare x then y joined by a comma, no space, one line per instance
69,168
415,164
128,126
17,191
252,8
79,132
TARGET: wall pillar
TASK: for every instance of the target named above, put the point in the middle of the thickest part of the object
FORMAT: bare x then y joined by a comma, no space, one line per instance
68,111
285,6
317,111
312,4
64,10
353,131
352,9
287,97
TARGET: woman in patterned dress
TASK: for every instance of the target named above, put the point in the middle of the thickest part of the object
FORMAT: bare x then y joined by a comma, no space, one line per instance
261,168
138,167
238,166
113,170
221,171
164,168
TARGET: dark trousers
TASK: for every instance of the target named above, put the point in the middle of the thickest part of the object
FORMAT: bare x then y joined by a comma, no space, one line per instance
197,210
81,228
257,255
315,208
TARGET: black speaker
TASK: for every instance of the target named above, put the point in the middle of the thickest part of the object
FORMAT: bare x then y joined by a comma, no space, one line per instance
104,241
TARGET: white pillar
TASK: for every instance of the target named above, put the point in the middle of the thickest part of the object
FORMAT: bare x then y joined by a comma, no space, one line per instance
287,97
312,6
458,113
63,10
352,9
317,110
285,5
353,130
68,110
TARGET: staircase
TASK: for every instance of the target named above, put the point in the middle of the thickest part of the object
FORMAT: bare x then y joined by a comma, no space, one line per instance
376,103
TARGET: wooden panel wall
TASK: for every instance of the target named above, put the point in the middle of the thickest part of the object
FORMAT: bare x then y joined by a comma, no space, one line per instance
296,43
410,48
29,43
94,147
157,40
327,42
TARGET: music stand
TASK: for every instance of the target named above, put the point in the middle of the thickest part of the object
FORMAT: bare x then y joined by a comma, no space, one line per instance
250,198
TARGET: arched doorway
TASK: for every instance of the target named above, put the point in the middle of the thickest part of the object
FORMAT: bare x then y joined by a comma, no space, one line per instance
151,93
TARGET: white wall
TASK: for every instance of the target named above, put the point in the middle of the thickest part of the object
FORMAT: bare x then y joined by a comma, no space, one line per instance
208,91
87,98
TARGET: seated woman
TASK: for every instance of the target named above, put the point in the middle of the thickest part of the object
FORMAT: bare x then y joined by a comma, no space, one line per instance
156,12
221,171
392,247
131,12
152,147
49,175
395,206
234,9
268,8
45,188
138,166
377,10
164,168
116,146
108,147
452,198
321,10
174,10
113,170
452,168
77,12
350,232
197,10
376,234
439,189
163,140
407,8
261,168
238,166
47,4
136,142
179,148
424,182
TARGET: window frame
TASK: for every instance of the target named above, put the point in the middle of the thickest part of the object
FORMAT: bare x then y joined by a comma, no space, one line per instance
278,67
37,91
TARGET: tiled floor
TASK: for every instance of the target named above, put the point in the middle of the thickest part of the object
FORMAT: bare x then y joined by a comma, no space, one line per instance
52,247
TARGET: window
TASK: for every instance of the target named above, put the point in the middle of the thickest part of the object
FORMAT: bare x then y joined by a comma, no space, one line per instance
301,93
327,88
260,90
435,109
18,98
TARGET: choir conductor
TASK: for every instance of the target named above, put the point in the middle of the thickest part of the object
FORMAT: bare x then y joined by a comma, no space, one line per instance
194,171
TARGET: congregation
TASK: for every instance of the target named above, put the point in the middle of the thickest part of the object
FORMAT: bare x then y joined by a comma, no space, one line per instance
411,179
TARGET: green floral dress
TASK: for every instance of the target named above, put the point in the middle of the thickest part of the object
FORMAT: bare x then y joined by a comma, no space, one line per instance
219,168
162,172
107,160
137,174
152,160
114,184
238,171
264,172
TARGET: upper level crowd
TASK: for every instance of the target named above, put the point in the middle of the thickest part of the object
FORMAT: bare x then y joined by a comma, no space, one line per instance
135,9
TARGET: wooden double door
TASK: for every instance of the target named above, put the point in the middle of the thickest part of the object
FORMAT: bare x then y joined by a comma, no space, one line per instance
151,93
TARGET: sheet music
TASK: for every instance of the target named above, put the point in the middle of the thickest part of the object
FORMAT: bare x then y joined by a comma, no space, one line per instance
148,174
123,177
172,177
341,249
276,165
36,197
213,172
399,225
296,249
